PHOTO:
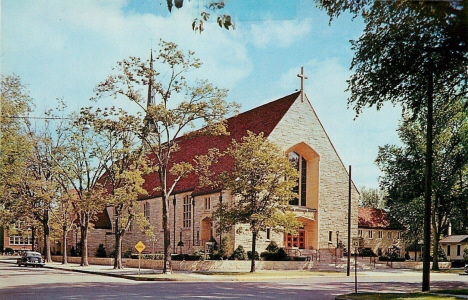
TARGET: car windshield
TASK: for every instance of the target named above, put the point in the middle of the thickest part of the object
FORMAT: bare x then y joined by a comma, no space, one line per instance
33,254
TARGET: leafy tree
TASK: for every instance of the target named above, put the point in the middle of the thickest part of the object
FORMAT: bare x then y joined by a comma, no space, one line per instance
261,180
123,178
410,53
165,120
404,166
15,105
372,198
81,161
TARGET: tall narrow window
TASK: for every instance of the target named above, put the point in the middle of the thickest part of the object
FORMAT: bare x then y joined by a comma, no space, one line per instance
207,203
268,233
301,188
448,250
146,211
330,236
458,250
187,212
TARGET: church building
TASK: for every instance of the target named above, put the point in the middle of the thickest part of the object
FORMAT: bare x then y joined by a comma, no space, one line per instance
323,187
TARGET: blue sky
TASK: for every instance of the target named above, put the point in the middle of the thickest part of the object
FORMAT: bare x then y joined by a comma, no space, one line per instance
63,48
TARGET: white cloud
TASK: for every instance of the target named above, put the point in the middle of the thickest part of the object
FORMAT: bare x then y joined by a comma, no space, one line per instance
278,33
64,48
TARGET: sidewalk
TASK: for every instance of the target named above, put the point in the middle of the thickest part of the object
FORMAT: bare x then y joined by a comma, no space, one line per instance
156,275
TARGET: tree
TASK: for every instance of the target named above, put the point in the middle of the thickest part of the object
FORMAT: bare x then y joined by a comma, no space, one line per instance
372,198
15,105
165,120
410,52
404,166
81,162
262,182
123,178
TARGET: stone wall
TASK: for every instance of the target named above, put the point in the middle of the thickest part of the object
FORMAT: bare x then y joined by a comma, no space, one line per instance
206,265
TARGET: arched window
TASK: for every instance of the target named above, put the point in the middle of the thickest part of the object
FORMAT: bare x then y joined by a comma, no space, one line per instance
301,188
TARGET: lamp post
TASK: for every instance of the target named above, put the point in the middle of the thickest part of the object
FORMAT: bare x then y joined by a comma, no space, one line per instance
336,249
174,244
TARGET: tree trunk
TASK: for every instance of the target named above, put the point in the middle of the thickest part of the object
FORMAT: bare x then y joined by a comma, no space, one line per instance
118,243
84,244
64,243
167,267
48,257
33,239
254,246
435,260
416,250
426,280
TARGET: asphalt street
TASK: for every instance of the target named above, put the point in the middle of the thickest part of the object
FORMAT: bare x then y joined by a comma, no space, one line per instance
42,283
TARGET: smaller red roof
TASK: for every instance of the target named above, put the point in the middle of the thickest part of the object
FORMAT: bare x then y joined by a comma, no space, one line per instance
370,217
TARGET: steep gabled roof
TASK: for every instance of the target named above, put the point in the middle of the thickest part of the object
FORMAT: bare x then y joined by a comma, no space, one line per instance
260,119
369,217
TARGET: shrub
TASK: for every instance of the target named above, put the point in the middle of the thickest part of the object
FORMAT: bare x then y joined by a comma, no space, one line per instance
272,247
387,258
367,252
127,254
278,255
9,250
194,257
238,254
101,251
249,255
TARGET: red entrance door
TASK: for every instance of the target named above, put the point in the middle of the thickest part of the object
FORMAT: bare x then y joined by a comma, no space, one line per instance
296,241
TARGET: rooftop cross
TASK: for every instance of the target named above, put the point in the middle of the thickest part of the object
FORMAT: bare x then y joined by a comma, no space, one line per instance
302,76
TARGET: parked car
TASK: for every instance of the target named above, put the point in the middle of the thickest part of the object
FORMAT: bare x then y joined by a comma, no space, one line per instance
31,258
466,268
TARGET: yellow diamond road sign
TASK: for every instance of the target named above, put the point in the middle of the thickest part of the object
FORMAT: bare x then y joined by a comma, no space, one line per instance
140,246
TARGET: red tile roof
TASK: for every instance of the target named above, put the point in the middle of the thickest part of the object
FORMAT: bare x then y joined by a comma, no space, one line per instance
261,119
376,218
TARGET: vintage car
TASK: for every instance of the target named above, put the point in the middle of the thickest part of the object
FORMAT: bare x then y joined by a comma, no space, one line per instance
31,258
466,268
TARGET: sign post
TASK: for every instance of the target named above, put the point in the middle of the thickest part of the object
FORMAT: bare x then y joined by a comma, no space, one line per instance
358,243
140,247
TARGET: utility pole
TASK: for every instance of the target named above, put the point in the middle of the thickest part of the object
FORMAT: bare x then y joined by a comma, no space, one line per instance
349,225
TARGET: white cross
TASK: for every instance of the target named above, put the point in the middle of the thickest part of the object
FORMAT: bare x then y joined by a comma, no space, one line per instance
302,76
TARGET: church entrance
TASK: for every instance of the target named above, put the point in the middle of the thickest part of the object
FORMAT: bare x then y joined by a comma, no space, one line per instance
296,242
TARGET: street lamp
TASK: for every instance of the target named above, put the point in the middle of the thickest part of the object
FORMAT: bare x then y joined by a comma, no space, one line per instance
336,249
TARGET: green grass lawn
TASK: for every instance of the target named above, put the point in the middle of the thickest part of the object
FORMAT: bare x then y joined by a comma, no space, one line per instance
404,296
396,296
454,292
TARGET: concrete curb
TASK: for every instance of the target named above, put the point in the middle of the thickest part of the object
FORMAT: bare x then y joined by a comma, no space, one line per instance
124,276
